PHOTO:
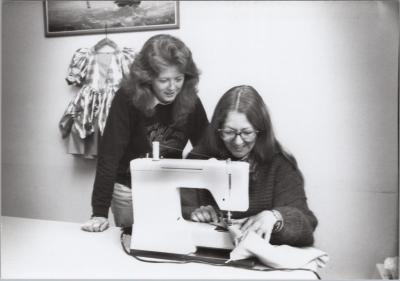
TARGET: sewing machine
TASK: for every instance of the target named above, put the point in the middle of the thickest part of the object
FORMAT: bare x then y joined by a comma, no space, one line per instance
159,228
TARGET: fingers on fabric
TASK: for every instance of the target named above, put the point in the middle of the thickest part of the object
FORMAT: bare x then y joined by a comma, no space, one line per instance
260,232
197,216
235,233
244,235
95,224
238,221
255,226
262,224
193,216
213,213
246,225
267,236
204,214
264,234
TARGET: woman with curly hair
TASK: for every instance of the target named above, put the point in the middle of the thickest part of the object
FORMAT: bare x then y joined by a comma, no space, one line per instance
157,102
241,130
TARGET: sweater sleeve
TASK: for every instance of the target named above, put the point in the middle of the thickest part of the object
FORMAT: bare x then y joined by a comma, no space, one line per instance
112,147
290,200
198,123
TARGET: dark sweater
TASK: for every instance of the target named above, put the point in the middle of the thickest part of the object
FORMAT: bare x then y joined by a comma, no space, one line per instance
278,186
128,135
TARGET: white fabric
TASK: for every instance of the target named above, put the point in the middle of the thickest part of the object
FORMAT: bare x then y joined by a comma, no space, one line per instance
283,256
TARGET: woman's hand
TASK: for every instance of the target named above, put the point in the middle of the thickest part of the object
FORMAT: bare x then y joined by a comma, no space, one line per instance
262,224
96,224
204,214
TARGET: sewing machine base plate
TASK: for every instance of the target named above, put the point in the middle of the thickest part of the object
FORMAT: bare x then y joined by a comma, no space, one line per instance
202,255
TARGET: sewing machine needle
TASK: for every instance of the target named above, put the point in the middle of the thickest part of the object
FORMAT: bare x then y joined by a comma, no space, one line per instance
229,216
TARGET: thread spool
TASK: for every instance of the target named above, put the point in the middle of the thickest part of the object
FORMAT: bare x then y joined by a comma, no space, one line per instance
156,150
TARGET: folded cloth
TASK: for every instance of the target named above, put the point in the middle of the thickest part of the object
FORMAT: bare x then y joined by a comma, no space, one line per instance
282,256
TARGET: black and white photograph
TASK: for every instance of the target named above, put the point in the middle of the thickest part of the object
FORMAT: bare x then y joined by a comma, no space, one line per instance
64,18
200,140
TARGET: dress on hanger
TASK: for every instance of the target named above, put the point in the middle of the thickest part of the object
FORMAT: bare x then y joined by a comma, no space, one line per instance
99,75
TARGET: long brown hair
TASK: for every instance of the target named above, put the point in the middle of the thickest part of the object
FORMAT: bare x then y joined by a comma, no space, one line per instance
245,99
158,52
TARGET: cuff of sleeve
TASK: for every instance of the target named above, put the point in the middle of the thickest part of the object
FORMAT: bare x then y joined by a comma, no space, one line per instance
100,212
297,230
290,216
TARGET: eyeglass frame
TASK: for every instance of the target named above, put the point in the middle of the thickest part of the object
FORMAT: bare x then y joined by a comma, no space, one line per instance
237,133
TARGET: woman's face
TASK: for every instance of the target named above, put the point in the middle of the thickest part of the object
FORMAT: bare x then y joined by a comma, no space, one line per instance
238,134
168,84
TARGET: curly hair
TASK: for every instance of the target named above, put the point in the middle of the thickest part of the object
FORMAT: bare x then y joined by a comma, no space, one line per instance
157,53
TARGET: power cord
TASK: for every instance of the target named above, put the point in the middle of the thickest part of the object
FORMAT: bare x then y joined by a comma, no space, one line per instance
188,260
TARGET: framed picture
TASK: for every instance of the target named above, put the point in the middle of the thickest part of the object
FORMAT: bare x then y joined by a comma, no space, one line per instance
64,18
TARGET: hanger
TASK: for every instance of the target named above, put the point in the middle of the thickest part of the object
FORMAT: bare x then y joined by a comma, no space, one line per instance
105,42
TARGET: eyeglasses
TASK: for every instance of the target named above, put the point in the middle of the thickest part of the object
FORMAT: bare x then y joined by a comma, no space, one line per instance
246,135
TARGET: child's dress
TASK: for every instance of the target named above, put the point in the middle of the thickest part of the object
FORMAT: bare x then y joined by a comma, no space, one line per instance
99,75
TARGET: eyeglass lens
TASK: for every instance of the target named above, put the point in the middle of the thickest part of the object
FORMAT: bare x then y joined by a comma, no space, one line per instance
232,134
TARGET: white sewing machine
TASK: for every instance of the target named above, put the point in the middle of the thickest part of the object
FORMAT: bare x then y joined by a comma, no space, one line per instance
158,223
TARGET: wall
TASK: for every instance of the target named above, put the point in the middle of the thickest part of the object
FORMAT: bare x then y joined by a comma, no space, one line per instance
327,70
1,87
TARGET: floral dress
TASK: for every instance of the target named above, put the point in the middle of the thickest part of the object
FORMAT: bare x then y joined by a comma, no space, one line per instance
99,76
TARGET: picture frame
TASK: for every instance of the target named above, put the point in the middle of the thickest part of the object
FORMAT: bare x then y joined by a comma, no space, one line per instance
67,18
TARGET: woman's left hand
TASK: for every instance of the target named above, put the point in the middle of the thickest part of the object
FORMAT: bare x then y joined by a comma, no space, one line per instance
262,224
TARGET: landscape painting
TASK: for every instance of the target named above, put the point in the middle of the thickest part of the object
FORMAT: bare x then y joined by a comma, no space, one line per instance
63,18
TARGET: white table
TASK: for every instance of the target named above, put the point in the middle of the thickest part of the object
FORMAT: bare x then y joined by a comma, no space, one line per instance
33,248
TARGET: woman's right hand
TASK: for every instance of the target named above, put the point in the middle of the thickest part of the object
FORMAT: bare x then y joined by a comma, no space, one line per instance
204,214
96,224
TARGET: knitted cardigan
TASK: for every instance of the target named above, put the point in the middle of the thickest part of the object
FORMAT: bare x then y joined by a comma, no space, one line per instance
279,186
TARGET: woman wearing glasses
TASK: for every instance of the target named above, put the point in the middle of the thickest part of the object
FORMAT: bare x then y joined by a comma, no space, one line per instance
241,129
